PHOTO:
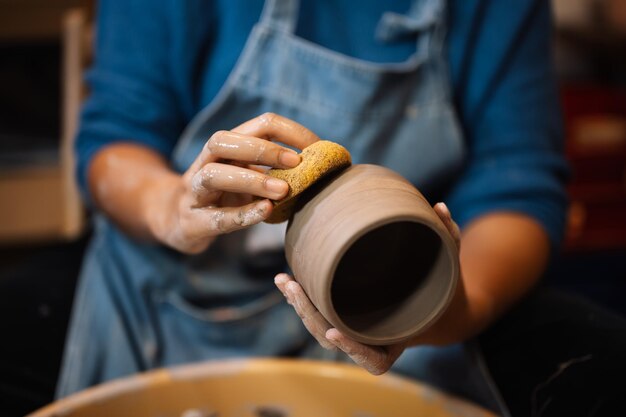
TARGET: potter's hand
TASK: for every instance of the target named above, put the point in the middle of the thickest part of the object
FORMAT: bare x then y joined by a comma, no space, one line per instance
375,359
218,193
444,214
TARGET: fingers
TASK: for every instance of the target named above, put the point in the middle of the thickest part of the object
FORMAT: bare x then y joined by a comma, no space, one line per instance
245,148
211,180
275,127
375,359
313,320
444,214
241,148
211,221
247,144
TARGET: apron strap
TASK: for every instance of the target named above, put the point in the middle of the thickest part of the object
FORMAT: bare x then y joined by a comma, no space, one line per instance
281,14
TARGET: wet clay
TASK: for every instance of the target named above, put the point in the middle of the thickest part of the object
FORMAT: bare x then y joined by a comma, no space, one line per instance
195,412
268,411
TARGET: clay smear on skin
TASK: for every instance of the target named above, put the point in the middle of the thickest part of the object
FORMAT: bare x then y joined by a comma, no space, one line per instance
204,179
249,217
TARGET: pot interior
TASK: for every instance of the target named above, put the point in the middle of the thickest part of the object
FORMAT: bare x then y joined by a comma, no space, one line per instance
391,280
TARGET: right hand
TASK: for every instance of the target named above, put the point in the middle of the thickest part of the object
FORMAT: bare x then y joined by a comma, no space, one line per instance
218,193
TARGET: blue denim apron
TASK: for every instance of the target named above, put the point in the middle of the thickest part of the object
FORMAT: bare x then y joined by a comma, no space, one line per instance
141,306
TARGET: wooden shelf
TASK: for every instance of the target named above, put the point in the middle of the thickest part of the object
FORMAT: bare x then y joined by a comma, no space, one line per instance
32,203
41,202
31,20
596,149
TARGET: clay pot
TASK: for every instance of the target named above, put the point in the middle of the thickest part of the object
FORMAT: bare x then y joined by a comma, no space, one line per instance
372,255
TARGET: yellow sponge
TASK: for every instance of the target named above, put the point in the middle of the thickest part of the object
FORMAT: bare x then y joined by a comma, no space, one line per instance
318,160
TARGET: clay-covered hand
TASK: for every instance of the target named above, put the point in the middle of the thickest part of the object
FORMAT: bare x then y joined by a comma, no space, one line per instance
220,191
375,359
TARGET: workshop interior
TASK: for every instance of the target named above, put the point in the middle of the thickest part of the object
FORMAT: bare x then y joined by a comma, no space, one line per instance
46,48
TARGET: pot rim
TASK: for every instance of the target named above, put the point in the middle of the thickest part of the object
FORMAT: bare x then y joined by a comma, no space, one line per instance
430,318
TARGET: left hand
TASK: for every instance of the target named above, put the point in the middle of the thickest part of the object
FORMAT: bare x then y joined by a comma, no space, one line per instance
375,359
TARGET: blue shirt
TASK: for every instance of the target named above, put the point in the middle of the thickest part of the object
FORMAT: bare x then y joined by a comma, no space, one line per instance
159,62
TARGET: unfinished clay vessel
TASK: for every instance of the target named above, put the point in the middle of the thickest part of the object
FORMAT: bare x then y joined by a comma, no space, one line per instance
372,255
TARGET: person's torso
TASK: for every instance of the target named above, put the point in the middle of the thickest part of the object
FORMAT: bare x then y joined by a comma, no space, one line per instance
397,114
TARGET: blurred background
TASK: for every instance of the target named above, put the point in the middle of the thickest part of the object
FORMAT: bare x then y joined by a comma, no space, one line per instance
44,47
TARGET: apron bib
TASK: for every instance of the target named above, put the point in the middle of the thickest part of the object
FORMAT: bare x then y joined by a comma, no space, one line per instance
142,306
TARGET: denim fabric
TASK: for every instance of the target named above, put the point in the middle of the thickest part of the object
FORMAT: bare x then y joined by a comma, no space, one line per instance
159,62
141,306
